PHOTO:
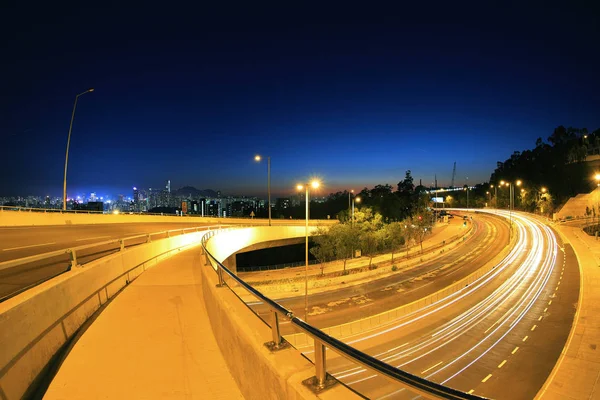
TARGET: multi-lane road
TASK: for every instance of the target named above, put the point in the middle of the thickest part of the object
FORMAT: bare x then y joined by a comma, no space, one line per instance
499,337
20,242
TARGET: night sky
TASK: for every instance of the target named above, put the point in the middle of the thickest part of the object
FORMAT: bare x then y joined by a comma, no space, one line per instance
356,96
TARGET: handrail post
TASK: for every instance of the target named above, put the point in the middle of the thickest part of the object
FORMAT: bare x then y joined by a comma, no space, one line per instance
73,258
321,381
320,364
220,274
277,343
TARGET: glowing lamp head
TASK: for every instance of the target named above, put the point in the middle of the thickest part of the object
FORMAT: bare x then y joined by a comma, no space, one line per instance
544,190
91,89
519,182
257,158
315,184
357,199
299,187
502,182
597,177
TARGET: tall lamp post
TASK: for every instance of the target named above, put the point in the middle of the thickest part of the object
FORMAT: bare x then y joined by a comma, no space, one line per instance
350,195
258,158
314,184
357,199
68,143
511,201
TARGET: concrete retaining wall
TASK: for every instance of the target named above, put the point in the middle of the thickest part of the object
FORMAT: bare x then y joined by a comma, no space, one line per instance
37,323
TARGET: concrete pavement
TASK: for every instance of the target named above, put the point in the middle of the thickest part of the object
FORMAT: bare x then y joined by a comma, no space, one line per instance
577,373
154,340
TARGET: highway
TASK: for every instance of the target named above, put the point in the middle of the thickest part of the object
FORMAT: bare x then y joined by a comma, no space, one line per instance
19,242
351,303
499,337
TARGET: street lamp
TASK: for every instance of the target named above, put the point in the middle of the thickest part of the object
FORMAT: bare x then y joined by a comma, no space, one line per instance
68,143
495,195
597,177
350,193
357,199
258,158
314,184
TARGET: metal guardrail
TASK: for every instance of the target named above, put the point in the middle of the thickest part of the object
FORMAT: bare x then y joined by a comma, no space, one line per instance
74,251
322,380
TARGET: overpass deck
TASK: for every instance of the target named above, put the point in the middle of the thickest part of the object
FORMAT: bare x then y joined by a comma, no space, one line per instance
154,340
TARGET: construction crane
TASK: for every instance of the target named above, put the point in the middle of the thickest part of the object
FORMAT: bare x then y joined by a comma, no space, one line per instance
453,176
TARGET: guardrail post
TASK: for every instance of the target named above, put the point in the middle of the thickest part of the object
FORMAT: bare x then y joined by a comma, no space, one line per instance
122,242
220,274
73,258
321,380
168,234
149,238
277,343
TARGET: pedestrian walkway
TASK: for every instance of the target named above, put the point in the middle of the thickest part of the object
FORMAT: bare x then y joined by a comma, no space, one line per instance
577,373
153,341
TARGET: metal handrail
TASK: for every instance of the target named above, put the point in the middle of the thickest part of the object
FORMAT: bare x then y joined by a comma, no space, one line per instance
73,253
73,250
322,341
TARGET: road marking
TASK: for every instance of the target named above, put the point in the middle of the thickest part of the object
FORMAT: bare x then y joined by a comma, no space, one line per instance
545,309
515,350
366,305
525,338
471,391
26,247
501,364
533,328
550,302
430,368
540,318
92,238
486,378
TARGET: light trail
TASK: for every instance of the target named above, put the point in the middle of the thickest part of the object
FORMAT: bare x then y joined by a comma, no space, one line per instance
503,309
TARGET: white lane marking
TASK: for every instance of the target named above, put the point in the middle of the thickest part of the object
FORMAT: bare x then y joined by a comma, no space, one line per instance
533,327
525,338
430,368
540,318
92,238
26,247
366,305
486,378
502,364
515,350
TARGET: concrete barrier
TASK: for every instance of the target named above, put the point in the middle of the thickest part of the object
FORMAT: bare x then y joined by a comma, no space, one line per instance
34,218
259,373
37,323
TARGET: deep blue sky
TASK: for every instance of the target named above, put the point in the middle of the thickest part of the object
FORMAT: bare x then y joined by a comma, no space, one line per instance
356,96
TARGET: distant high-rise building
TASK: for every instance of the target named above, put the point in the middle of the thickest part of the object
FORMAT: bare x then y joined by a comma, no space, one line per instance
169,186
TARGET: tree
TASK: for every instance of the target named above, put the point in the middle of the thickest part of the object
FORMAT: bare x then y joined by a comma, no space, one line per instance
324,248
422,226
345,239
393,237
370,244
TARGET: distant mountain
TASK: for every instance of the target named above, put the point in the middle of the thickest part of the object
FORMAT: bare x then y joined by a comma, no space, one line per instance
190,191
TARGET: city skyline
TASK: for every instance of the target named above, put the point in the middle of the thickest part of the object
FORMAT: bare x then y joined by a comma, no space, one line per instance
355,98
